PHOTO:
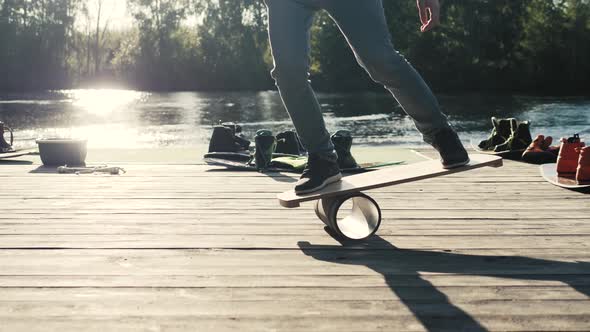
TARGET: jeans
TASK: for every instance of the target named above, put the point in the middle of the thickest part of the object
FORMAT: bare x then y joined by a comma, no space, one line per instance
364,25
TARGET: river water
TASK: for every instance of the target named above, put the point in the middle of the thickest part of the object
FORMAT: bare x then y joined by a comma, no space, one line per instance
135,119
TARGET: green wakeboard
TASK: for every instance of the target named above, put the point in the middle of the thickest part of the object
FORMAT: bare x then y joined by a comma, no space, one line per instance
280,163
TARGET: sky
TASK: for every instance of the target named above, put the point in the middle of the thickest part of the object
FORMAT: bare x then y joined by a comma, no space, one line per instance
113,10
118,10
117,14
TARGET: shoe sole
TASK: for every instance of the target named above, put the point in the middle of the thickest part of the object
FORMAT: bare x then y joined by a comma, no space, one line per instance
332,179
457,165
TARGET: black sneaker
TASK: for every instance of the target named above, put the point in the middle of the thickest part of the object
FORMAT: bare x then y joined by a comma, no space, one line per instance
320,172
499,135
226,139
237,134
342,140
519,139
288,143
451,149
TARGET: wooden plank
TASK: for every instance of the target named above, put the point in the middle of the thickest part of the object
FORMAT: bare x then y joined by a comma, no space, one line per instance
391,202
409,322
181,241
182,306
310,261
418,193
295,220
493,262
219,282
246,229
224,187
128,296
287,216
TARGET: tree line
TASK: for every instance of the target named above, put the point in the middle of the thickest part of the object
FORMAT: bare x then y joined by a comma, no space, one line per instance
525,46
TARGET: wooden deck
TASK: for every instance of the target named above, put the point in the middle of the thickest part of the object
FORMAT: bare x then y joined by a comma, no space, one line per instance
181,248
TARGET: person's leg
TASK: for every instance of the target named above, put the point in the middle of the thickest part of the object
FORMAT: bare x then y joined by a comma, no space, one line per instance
365,27
289,31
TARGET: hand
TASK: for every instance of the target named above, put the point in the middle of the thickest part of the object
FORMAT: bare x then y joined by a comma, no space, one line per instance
429,11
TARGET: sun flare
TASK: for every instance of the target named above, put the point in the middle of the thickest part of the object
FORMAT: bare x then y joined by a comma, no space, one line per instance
104,101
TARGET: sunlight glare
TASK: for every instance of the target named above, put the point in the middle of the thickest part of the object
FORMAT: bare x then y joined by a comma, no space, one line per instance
104,101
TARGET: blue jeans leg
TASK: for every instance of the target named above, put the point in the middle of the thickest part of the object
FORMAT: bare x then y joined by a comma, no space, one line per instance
365,27
289,31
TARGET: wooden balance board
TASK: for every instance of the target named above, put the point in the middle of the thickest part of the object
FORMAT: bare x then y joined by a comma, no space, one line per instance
18,153
364,217
549,173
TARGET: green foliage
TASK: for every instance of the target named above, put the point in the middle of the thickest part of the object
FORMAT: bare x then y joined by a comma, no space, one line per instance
555,47
535,46
232,45
159,46
34,39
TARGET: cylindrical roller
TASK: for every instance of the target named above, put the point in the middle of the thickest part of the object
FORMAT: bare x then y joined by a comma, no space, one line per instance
360,222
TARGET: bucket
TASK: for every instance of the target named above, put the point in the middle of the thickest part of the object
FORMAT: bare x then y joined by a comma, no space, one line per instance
60,152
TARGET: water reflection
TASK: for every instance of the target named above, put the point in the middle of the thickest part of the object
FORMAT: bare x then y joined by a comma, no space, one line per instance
103,102
132,119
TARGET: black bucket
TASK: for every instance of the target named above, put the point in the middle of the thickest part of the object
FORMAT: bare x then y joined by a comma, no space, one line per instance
60,152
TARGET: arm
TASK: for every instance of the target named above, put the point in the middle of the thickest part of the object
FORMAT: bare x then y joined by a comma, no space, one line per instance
429,11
